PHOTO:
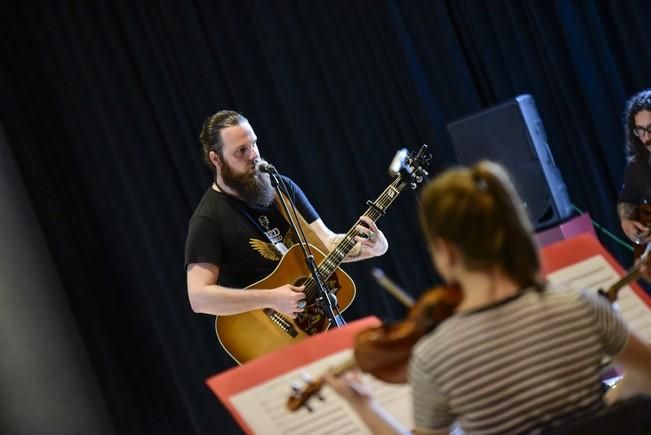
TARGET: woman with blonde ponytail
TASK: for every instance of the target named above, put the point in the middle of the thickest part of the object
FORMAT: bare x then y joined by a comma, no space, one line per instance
514,358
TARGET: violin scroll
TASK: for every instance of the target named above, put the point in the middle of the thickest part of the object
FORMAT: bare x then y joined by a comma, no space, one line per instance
299,397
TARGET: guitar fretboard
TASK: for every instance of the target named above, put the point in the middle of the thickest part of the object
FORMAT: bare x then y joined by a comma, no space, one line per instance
334,259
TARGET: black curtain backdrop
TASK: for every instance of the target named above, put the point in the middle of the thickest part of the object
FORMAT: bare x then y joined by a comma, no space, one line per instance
103,101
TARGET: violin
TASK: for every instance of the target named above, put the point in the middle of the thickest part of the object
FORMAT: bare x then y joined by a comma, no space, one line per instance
384,351
631,275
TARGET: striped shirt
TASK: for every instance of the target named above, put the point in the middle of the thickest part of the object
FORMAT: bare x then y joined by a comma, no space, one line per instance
523,364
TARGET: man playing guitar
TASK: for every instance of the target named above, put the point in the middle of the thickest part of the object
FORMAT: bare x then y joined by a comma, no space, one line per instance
237,234
634,201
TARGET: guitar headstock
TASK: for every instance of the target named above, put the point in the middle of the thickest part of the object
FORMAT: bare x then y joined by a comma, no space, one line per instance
414,167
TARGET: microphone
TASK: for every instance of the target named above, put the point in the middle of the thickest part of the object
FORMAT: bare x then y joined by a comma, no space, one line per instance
264,166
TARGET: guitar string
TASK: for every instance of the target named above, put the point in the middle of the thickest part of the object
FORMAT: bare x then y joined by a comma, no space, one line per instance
332,261
383,202
342,249
336,257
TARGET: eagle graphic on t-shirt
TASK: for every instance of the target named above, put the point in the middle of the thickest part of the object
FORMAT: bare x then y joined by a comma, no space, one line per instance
268,250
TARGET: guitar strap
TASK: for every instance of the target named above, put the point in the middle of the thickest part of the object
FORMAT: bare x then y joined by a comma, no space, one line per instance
312,238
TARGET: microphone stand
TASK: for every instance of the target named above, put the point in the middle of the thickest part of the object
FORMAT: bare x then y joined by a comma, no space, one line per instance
326,300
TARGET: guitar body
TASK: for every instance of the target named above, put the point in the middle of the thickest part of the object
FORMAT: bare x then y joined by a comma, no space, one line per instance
644,217
251,334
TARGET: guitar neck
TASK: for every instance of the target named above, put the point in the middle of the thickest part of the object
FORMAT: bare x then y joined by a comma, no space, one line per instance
374,212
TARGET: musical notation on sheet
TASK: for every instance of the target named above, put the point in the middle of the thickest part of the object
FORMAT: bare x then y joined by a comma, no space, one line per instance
596,273
264,406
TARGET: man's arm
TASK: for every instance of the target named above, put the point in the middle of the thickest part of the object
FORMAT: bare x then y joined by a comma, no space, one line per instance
365,248
209,298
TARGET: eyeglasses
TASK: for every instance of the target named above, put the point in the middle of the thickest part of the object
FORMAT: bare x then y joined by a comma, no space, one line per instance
638,130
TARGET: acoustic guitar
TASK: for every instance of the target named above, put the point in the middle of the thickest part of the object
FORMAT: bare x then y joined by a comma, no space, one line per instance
251,334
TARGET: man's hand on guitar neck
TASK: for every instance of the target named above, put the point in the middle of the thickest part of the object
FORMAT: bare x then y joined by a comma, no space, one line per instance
371,242
371,238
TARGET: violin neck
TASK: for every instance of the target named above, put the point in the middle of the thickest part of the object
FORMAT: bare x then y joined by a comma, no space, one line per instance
632,275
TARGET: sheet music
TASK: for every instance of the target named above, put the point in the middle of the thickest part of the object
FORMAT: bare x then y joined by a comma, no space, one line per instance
596,273
263,407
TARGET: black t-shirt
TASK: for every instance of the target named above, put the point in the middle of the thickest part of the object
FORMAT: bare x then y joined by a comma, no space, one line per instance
637,183
225,232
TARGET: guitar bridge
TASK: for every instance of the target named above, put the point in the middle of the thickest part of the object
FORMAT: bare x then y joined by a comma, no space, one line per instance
281,322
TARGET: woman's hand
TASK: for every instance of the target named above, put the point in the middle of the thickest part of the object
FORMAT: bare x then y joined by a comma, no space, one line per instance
351,387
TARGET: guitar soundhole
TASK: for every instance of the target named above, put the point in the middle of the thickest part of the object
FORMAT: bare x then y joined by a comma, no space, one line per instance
314,320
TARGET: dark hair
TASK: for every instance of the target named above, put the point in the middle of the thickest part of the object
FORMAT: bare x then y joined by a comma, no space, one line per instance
210,137
635,149
479,210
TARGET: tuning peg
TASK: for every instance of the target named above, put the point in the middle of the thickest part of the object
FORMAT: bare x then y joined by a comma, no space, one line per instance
412,185
419,179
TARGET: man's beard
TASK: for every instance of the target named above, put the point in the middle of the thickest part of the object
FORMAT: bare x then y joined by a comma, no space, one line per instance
253,187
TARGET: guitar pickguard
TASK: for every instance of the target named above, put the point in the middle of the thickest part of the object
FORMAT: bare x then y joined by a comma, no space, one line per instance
314,319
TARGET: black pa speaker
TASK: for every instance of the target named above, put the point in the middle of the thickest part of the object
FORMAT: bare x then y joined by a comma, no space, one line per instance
513,135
